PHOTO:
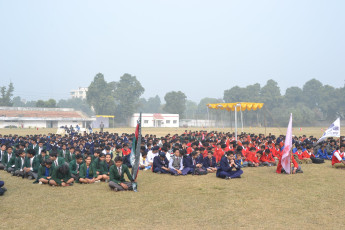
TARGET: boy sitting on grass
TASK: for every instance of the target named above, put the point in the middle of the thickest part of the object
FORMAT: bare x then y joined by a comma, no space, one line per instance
116,173
228,168
45,172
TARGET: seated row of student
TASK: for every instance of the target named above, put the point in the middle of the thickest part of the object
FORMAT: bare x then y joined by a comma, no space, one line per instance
26,167
302,157
315,158
228,168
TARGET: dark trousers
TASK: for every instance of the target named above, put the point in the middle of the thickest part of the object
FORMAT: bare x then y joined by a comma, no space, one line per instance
157,169
31,173
2,167
232,174
174,172
113,185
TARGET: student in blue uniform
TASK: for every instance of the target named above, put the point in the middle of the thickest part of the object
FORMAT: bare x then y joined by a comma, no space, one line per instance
190,163
161,164
210,163
228,168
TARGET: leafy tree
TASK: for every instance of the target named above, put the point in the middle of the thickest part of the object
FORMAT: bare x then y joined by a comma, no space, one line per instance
100,96
6,95
312,93
127,93
17,102
76,104
175,103
51,103
191,110
270,94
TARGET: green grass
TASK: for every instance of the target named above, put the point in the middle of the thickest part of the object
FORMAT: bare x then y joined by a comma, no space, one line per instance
260,199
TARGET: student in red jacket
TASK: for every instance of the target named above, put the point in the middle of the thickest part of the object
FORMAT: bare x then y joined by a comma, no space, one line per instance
296,167
251,158
337,158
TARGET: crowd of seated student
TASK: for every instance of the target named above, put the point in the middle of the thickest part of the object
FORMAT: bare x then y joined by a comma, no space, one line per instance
62,160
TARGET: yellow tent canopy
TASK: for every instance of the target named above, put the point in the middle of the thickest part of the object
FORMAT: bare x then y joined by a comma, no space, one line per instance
231,106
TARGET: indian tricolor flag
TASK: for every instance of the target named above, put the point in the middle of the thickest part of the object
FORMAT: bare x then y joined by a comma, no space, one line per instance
286,155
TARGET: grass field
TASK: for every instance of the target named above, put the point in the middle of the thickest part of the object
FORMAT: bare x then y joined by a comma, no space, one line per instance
261,199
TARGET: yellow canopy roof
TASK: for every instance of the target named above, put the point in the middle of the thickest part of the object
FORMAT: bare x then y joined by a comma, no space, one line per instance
231,106
109,116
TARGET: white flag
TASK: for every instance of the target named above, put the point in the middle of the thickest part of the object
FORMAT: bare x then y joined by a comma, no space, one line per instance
332,131
286,155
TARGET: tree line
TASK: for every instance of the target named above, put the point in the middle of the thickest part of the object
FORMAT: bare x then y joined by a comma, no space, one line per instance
310,105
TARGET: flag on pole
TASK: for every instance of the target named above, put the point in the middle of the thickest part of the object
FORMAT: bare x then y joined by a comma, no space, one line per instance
135,153
286,155
332,131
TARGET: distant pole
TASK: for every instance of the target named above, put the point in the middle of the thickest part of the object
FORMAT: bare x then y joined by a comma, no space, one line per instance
208,118
236,122
241,117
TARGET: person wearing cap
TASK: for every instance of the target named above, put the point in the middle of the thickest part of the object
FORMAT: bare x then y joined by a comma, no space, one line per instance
160,164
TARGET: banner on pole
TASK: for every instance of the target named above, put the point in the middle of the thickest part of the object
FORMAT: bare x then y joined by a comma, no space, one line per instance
332,131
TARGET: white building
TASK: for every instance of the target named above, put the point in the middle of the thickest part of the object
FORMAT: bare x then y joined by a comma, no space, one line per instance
79,93
156,120
31,117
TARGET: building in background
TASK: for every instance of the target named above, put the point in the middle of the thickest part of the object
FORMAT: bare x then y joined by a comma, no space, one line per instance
31,117
156,120
79,93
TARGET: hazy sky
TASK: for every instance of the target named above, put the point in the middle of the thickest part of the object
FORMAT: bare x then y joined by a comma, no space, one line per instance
202,48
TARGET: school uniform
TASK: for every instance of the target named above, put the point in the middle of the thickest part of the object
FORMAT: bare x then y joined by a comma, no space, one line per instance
66,155
10,163
44,172
116,176
107,166
59,177
19,166
158,164
225,170
189,164
74,167
337,159
2,159
176,163
100,166
32,163
209,163
88,173
59,161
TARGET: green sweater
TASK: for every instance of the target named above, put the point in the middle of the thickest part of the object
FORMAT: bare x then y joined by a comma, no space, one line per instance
114,174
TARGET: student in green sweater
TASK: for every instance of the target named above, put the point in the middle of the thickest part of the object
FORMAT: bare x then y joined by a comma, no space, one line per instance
45,171
75,166
87,172
61,176
31,165
116,173
101,168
